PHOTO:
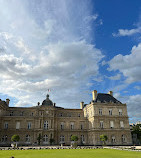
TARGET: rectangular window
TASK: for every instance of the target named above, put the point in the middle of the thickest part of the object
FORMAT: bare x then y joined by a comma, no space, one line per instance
81,126
101,124
62,139
29,125
11,113
6,125
121,124
111,124
72,125
110,111
120,112
17,125
62,125
82,138
100,111
45,124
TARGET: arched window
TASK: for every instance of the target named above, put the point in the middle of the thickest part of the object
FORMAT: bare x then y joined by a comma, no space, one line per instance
45,138
27,139
4,138
113,139
123,138
45,124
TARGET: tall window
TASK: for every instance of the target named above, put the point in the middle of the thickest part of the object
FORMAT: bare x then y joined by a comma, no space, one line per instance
123,138
101,124
29,125
21,114
62,138
120,112
17,125
6,125
100,111
113,139
45,124
121,124
45,138
70,137
4,138
82,138
27,138
72,125
81,126
62,125
111,124
110,111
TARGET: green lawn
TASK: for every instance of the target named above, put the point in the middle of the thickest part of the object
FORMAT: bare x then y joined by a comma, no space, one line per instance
70,153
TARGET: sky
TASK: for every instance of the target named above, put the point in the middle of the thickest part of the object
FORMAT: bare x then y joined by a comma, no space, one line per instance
70,47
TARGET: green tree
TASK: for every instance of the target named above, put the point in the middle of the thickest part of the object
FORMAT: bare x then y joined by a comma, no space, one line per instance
39,139
74,138
137,130
15,138
103,138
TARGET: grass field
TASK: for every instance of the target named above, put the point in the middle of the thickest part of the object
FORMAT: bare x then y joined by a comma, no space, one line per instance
70,153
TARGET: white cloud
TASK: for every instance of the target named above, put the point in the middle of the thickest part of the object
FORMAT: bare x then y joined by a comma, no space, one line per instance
126,32
64,66
137,87
129,65
133,105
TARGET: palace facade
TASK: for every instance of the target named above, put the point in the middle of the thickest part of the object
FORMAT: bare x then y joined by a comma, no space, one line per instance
103,115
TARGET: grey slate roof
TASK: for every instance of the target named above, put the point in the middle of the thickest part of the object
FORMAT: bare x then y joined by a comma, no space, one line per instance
103,98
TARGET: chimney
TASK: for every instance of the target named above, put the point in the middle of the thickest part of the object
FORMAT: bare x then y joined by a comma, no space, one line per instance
111,93
81,105
7,101
94,94
54,104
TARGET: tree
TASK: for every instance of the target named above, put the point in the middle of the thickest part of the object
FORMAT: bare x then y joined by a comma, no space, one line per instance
39,139
74,139
136,130
103,138
15,138
51,141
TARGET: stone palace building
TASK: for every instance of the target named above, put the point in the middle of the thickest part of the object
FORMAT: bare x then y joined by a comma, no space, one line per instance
103,115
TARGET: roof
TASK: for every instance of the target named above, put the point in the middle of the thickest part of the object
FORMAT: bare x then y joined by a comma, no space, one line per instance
47,101
103,98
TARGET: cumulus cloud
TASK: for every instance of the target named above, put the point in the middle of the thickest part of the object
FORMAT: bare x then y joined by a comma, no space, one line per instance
128,65
126,32
133,105
44,47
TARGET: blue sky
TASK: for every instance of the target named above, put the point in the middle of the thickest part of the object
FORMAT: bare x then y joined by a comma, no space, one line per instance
71,47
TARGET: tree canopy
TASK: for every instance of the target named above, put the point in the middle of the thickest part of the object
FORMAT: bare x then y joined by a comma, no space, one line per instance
103,138
74,138
15,138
